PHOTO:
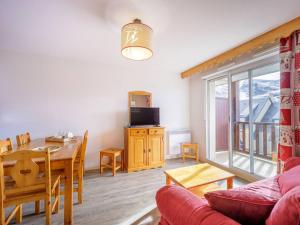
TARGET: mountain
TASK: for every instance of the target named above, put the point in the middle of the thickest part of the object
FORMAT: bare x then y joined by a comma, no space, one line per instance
261,88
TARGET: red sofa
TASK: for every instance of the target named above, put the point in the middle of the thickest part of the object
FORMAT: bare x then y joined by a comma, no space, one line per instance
180,207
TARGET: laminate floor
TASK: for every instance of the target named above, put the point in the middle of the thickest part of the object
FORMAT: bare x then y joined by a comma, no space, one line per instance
127,198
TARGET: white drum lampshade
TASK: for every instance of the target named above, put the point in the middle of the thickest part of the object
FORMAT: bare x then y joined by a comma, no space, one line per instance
136,41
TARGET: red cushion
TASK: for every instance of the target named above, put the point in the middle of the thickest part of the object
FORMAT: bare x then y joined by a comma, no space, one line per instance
242,205
287,209
289,179
179,206
267,187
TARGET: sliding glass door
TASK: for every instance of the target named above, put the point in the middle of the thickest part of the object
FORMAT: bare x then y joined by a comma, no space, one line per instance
240,118
265,116
251,100
218,107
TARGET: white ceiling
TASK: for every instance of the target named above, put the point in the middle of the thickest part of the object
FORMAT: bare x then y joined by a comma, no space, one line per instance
186,32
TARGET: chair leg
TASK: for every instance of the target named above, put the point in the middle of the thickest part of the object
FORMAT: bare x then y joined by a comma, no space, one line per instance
80,187
2,211
57,196
37,207
48,210
19,214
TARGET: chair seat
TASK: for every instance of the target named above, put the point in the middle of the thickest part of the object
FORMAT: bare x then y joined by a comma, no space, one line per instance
30,197
13,193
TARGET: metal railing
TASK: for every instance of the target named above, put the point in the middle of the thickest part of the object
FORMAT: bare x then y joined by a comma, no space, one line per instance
265,138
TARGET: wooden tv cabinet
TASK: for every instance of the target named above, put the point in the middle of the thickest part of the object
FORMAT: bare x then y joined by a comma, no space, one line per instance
144,148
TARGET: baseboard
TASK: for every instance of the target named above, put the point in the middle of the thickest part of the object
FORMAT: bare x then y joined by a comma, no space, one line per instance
172,156
166,157
91,168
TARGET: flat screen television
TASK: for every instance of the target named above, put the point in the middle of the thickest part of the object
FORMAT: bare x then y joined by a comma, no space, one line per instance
144,116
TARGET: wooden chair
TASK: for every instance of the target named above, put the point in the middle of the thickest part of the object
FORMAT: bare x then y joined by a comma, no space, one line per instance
79,168
30,183
192,152
112,154
6,145
23,139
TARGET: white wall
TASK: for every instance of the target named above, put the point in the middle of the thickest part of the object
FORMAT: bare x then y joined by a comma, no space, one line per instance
197,113
44,95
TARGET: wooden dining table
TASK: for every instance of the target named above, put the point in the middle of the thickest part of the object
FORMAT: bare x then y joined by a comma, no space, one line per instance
62,161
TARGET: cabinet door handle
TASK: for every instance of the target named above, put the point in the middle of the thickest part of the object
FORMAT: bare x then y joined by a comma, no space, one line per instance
144,150
149,150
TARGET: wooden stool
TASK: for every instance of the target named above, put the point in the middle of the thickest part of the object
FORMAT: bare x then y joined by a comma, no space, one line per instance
189,146
112,154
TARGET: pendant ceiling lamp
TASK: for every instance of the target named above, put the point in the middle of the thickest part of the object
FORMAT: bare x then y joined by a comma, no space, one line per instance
136,40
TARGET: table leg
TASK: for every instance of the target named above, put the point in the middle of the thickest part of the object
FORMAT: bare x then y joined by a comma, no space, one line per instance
68,201
37,207
168,180
229,183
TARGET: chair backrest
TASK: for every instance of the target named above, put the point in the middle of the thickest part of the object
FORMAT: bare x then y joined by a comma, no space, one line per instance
6,145
81,153
84,144
23,139
26,173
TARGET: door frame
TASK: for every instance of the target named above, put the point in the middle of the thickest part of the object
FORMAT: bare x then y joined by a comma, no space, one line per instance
208,118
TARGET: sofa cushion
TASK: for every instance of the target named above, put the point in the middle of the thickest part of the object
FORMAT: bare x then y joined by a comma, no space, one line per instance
241,204
179,206
289,179
287,209
267,187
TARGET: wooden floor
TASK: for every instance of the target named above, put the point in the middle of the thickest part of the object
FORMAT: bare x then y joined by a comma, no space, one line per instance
127,198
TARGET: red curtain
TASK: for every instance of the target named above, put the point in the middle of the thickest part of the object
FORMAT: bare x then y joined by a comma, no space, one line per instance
289,97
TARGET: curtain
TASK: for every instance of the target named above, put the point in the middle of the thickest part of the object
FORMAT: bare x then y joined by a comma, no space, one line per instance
289,143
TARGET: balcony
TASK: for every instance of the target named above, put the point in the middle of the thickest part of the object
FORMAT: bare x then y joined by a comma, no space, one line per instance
264,144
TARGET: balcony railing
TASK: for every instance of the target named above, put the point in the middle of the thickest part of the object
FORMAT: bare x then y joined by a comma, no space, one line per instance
265,138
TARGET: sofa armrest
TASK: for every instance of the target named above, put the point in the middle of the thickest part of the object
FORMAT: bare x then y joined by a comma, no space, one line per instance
180,207
290,163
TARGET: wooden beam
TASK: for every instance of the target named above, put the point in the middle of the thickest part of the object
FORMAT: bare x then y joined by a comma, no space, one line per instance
269,37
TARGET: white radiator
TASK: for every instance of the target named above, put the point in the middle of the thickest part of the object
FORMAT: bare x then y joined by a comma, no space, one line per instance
175,138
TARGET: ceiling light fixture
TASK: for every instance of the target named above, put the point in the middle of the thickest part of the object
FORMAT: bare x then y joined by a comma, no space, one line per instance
136,40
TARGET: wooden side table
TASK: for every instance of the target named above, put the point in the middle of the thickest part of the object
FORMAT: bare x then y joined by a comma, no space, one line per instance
113,164
191,155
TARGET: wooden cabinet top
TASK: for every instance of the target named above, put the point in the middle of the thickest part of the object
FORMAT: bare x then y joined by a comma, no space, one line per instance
144,127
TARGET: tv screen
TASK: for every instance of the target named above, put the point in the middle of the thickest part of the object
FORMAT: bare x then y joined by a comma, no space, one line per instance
144,116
